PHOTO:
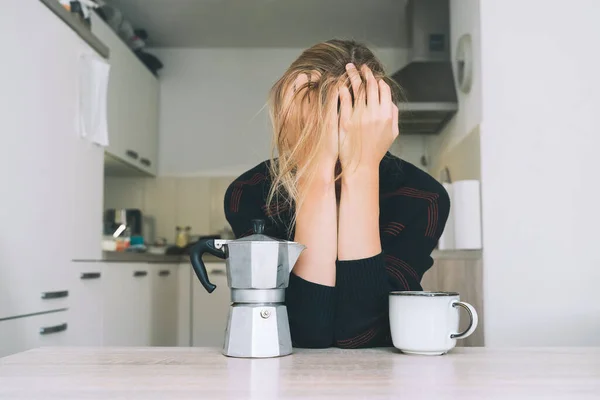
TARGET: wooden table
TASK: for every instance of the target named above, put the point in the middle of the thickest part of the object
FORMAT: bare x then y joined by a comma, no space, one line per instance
201,373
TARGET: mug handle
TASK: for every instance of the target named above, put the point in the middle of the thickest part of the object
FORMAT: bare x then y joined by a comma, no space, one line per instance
472,315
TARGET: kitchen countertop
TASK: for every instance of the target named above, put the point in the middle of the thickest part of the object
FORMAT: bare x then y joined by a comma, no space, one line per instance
132,257
204,373
114,256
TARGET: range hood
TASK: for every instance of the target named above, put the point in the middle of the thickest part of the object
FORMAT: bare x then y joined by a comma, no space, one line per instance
429,99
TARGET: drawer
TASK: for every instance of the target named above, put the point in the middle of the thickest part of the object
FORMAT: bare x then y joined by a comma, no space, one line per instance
20,334
25,290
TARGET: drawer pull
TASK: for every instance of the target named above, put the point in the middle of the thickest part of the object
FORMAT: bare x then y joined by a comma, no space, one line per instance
132,154
90,275
164,273
55,295
138,274
217,272
53,329
146,162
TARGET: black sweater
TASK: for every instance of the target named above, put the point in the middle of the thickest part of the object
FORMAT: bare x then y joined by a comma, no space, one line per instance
414,208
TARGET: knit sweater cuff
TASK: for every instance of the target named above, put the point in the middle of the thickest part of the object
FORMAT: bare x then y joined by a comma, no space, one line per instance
357,280
315,299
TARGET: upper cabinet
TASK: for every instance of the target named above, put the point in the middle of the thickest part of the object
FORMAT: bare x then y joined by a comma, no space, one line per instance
133,101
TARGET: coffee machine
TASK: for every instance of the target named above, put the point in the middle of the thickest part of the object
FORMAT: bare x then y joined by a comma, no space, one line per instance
119,221
258,271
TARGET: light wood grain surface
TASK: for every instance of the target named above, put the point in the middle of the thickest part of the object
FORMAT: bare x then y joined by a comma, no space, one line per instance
202,373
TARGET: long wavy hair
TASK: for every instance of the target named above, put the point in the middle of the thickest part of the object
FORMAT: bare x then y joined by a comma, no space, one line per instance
299,115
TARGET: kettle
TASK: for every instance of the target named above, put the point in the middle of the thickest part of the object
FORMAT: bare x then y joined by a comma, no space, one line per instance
258,270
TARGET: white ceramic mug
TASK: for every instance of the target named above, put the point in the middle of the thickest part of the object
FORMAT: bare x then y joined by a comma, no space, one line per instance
427,322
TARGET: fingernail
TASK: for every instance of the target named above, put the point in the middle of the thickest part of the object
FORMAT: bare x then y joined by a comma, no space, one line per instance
350,65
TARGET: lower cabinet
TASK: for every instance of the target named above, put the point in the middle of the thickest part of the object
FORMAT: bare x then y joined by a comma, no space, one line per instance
124,304
87,308
184,305
127,304
164,305
24,333
210,310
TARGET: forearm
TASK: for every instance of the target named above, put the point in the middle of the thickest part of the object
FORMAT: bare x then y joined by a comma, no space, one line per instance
359,215
316,228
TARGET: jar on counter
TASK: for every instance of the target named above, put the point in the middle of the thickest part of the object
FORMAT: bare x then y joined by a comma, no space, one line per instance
182,237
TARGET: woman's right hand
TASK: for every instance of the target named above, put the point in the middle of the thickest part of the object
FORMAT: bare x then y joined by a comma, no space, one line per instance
370,125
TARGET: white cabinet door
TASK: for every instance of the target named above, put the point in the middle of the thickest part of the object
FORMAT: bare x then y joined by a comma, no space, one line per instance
38,109
184,305
164,304
210,310
127,304
87,298
132,104
20,334
147,135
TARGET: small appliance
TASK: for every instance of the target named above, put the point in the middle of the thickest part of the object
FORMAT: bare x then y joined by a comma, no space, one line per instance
119,222
258,270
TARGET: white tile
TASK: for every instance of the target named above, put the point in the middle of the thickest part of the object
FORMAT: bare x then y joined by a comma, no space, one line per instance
193,204
218,186
124,192
161,203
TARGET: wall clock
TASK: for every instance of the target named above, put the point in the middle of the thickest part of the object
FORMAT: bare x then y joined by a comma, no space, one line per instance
464,63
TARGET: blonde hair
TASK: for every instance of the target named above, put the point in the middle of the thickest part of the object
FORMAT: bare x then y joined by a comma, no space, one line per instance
299,115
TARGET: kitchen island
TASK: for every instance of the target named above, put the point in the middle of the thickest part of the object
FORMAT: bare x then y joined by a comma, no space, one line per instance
204,373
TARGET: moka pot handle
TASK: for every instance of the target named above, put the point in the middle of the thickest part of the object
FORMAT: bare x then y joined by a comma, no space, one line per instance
196,252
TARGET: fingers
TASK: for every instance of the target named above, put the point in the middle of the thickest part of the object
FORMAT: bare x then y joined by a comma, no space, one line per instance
356,82
345,106
372,87
385,98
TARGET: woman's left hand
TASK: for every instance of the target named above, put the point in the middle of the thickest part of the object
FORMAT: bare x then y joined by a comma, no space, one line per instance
369,127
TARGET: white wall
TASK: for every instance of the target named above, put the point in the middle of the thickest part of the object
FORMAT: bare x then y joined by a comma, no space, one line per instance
464,18
213,119
539,152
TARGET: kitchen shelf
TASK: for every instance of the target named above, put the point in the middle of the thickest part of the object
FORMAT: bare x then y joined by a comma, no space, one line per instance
78,27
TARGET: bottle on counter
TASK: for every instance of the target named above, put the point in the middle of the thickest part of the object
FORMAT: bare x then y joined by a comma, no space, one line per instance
182,237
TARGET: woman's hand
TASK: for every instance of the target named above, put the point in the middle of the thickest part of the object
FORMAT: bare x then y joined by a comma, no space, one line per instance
325,153
368,128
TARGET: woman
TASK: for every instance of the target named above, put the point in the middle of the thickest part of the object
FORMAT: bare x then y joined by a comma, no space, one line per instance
369,220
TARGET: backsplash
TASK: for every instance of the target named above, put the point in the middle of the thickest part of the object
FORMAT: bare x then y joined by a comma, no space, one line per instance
172,201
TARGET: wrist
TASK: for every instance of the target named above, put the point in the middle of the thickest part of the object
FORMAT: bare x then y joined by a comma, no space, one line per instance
321,180
361,175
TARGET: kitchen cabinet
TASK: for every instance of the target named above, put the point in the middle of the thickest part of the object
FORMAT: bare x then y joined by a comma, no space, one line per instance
210,310
184,305
462,274
20,334
50,176
133,101
164,278
86,310
127,304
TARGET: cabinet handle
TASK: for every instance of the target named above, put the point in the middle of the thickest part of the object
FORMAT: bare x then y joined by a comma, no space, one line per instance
132,154
164,272
146,162
218,272
55,295
53,329
138,274
90,275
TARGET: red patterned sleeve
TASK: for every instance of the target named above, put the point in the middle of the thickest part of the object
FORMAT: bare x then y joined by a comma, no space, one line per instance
363,285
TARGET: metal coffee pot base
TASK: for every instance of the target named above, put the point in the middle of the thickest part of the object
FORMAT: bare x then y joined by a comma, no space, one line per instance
257,331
